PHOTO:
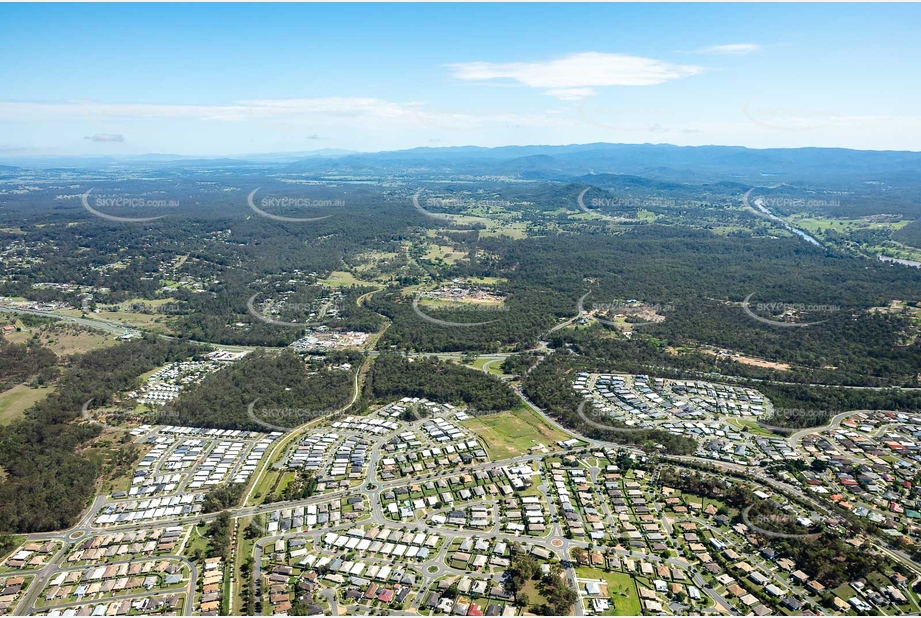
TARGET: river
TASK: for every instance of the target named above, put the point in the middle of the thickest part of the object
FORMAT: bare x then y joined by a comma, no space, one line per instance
796,231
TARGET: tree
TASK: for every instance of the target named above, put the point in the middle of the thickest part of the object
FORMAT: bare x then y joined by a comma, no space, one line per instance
522,600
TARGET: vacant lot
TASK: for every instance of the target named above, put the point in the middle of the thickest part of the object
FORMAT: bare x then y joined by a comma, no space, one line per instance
509,434
444,252
15,401
340,278
621,590
491,365
65,340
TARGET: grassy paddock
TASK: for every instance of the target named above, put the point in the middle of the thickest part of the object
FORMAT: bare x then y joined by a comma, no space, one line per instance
15,401
509,434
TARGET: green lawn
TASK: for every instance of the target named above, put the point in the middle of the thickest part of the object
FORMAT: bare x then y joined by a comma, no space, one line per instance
509,434
753,427
340,278
516,231
15,401
814,224
493,365
534,597
18,540
621,588
196,542
845,592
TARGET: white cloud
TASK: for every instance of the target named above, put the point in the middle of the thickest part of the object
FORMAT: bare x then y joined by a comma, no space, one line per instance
574,76
106,137
311,119
571,94
332,106
733,49
236,111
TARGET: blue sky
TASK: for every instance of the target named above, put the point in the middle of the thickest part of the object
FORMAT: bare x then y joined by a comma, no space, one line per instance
215,79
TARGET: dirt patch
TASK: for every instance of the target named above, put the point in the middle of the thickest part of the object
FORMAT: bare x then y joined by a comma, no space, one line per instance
748,360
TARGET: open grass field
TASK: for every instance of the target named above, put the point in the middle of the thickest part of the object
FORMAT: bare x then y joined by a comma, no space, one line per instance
896,250
197,543
439,303
64,340
509,434
371,259
621,588
516,231
534,597
15,401
484,280
444,252
753,427
340,278
19,337
814,224
128,318
490,365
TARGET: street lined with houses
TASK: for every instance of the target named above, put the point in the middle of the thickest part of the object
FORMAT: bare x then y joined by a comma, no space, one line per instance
409,513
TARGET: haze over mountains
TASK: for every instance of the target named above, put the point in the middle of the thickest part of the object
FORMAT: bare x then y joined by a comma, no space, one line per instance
661,161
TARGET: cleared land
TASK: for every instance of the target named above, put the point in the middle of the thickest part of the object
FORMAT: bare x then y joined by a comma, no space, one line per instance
491,365
64,341
340,278
509,434
444,252
621,589
15,401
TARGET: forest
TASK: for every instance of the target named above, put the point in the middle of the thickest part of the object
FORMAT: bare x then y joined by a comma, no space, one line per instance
910,234
393,376
21,363
47,482
287,390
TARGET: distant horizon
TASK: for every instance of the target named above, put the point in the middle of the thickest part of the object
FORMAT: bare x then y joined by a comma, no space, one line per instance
344,152
187,79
